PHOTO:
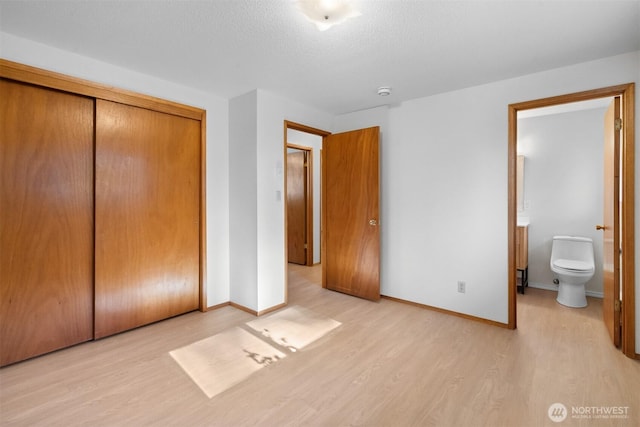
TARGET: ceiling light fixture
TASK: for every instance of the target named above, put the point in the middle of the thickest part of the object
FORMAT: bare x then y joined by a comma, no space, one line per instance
384,91
327,13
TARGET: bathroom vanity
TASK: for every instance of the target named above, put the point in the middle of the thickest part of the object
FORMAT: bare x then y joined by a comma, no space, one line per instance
522,256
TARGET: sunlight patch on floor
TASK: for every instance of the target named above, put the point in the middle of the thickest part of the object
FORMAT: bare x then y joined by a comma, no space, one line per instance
223,360
294,327
230,357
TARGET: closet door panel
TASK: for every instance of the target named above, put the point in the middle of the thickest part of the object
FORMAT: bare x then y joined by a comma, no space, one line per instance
46,220
147,216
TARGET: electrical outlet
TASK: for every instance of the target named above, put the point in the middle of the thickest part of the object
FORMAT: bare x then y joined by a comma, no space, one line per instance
462,287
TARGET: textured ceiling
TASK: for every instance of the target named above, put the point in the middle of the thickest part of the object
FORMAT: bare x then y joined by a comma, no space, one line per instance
419,48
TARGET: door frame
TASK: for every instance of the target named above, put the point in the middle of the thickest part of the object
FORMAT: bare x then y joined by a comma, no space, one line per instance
308,199
314,131
627,223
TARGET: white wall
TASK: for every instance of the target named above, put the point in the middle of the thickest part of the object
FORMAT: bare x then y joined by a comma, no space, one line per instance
315,143
273,110
217,264
563,186
266,191
444,186
243,196
377,116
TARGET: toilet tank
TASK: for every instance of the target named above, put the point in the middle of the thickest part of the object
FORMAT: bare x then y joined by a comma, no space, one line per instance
572,247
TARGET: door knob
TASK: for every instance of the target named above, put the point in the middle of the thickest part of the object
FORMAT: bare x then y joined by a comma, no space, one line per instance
600,227
373,222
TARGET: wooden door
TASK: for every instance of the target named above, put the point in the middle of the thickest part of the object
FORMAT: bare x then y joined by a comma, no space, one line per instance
611,224
297,207
147,216
46,227
350,213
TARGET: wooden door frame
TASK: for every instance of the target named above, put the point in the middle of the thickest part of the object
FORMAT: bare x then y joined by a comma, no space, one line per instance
627,220
314,131
37,76
308,199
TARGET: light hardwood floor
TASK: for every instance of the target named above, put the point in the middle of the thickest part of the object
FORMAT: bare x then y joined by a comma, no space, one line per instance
389,364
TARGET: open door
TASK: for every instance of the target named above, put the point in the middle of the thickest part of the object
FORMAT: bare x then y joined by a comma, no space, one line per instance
611,222
297,207
350,213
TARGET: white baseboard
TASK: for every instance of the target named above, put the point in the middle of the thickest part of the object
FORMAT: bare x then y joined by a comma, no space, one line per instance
552,287
594,294
543,286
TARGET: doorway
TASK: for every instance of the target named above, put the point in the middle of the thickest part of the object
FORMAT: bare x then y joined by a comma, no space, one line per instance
560,185
626,223
299,211
302,138
350,196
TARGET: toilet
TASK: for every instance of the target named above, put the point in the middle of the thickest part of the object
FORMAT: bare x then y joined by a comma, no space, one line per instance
572,264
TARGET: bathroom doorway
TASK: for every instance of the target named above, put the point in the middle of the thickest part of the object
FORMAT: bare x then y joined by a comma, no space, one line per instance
625,226
560,165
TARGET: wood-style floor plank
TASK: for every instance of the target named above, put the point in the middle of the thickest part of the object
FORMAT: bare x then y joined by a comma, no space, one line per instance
389,364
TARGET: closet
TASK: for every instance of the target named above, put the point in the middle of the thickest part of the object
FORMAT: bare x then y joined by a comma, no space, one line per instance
101,200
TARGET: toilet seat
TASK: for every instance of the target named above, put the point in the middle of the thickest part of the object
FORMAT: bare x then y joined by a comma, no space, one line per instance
573,265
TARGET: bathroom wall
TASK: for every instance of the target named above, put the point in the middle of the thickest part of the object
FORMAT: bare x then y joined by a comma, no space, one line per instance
563,186
315,143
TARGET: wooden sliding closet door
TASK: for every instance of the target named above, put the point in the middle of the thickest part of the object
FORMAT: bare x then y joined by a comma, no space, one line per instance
147,216
46,225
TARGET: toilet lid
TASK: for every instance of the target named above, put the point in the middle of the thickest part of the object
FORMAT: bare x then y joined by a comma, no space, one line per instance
573,265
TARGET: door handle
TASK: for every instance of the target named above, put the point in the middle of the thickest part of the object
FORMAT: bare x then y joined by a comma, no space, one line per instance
600,227
373,222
